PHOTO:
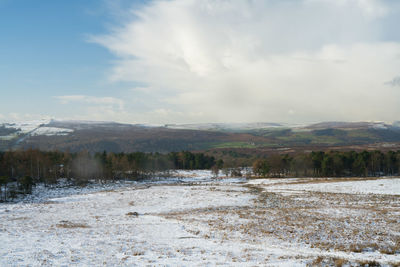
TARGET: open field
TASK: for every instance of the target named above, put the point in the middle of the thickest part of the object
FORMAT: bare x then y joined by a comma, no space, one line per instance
197,220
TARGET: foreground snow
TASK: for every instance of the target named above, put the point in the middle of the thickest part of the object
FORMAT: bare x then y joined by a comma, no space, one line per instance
195,220
383,186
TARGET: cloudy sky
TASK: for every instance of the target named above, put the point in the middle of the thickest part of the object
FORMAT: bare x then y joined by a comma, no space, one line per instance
192,61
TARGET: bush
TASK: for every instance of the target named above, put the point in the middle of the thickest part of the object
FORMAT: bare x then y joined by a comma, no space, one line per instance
261,167
26,184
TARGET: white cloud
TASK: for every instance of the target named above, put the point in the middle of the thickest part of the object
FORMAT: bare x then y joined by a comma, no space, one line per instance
370,8
222,60
15,116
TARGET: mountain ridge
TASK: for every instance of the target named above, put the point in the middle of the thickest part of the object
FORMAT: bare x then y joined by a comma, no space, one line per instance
96,136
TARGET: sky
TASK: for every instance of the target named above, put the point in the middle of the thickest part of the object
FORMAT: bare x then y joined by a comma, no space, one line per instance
197,61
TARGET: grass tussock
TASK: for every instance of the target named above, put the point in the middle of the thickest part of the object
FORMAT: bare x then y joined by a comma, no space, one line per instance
341,262
133,214
69,225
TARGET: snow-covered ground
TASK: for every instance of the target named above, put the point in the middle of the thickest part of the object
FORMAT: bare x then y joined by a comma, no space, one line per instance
27,126
51,131
197,220
385,186
34,128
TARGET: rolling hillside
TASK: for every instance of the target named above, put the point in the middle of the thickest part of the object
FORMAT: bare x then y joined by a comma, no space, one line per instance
117,137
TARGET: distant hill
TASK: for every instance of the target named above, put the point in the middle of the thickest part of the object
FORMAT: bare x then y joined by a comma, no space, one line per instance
118,137
233,127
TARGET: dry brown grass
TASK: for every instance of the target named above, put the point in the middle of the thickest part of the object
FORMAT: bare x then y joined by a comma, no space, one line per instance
138,253
340,262
317,262
369,263
19,219
134,214
68,224
352,223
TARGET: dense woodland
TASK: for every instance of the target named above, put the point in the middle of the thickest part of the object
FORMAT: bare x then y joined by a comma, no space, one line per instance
24,168
21,170
330,164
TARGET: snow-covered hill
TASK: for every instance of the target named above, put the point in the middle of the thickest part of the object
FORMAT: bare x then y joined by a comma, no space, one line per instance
17,132
97,136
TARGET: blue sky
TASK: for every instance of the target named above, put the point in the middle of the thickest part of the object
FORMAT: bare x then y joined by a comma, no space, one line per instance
200,61
44,52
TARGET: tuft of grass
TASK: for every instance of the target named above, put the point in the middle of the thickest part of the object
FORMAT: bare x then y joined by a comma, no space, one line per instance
369,263
340,262
134,213
68,224
317,262
138,253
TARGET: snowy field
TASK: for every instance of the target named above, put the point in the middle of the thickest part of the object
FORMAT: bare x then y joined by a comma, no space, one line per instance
196,220
353,186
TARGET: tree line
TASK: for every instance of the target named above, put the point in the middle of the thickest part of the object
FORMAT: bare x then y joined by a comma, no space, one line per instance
329,164
24,168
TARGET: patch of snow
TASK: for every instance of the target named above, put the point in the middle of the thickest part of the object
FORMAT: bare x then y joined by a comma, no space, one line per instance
96,228
380,126
204,176
48,131
42,193
27,126
388,186
7,137
271,181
